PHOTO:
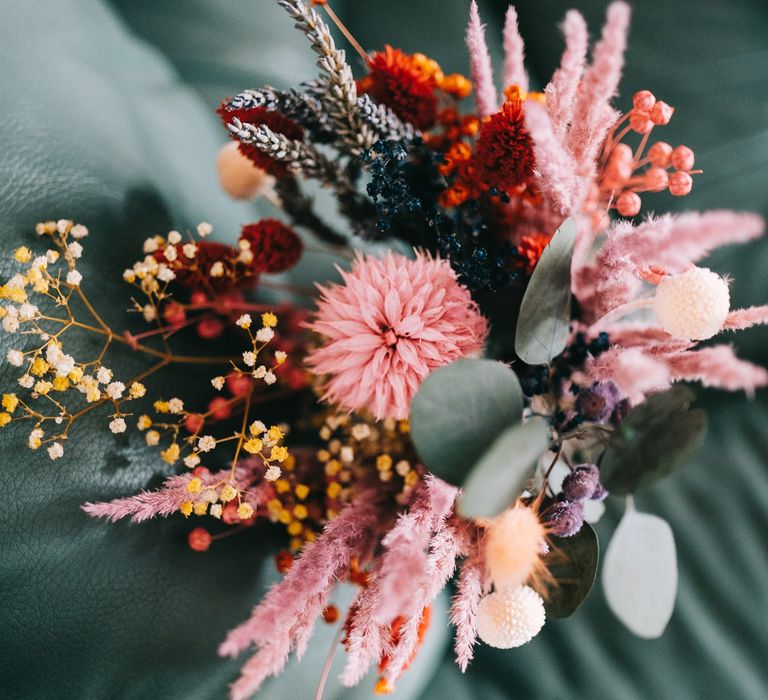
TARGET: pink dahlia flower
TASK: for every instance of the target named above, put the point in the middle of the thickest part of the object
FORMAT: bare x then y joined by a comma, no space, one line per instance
392,322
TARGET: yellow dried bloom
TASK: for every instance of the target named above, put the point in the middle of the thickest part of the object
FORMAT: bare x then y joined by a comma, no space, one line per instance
244,511
201,507
195,485
281,485
300,511
10,401
227,493
22,254
144,422
269,320
333,467
13,293
279,454
60,384
75,375
333,489
39,367
171,454
152,437
253,446
301,491
137,390
43,387
186,508
412,478
295,528
257,428
5,418
384,463
162,407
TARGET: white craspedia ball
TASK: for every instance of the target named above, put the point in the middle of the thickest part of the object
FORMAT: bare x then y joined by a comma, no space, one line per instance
239,177
692,305
510,617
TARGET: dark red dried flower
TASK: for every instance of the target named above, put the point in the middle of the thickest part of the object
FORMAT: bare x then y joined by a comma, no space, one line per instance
275,246
504,152
406,84
275,121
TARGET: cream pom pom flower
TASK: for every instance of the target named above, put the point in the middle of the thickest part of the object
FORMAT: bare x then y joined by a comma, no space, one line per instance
510,617
239,177
692,305
392,322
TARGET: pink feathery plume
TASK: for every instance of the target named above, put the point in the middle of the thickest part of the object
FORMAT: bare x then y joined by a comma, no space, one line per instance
282,617
675,242
480,65
366,637
404,558
718,367
592,113
162,502
561,91
555,170
632,370
473,583
446,546
646,335
745,318
514,53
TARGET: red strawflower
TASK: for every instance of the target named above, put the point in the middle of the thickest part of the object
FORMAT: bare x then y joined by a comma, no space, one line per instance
406,84
504,152
275,121
200,539
275,246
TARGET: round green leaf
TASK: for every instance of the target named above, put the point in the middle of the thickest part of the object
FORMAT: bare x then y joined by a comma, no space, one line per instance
543,326
574,566
656,437
502,472
459,410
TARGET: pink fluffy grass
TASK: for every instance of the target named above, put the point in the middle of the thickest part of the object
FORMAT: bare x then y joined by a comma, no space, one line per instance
390,323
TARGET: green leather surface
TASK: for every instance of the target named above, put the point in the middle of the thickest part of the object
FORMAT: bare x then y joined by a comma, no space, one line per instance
90,610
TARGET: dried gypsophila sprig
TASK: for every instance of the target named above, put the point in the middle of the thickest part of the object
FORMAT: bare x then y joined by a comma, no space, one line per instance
59,388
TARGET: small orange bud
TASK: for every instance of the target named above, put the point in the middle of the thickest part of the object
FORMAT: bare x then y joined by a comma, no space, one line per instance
283,561
331,614
200,539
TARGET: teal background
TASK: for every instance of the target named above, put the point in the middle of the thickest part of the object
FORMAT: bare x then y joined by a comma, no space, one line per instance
106,117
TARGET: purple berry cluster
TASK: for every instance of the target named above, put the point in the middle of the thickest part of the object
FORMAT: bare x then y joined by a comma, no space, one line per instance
567,515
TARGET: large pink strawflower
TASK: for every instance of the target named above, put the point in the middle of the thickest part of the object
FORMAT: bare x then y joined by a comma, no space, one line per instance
392,322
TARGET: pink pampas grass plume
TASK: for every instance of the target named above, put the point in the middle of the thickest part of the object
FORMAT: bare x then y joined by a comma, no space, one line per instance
634,371
168,499
446,546
555,170
592,114
718,367
472,585
284,619
480,65
390,323
404,555
745,318
561,91
514,53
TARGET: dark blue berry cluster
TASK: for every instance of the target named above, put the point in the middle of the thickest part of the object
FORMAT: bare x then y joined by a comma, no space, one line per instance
405,186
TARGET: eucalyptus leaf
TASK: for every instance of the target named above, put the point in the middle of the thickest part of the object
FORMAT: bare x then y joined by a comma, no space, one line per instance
500,475
574,566
459,410
543,325
640,573
654,439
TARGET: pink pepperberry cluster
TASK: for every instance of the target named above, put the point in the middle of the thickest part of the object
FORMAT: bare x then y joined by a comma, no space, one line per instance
627,173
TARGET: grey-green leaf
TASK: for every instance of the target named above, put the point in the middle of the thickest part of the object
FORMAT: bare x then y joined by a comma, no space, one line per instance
574,566
655,438
545,313
501,474
459,410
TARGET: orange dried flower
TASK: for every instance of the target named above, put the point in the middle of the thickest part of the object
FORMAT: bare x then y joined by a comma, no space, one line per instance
404,83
